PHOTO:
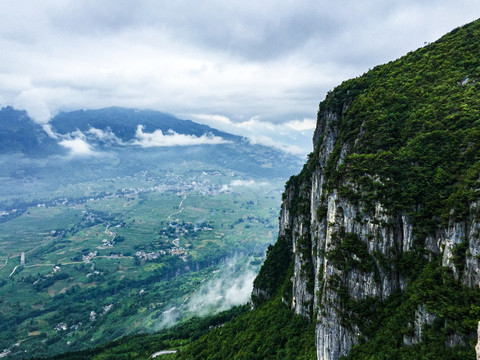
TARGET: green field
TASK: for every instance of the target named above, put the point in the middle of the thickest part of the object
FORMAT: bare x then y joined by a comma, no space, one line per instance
104,258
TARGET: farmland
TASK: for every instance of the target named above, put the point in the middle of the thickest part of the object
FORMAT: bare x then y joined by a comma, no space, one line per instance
94,258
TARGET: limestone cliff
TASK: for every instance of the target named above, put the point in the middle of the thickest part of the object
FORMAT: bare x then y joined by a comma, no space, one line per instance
389,200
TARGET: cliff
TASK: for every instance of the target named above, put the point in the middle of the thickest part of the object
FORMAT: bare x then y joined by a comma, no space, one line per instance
382,225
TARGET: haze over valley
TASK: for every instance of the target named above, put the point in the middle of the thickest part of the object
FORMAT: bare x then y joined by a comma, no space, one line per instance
127,217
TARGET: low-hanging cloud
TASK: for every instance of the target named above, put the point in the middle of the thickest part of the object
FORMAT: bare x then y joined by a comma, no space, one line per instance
84,143
220,294
171,138
106,137
268,141
248,183
95,141
293,136
77,147
230,286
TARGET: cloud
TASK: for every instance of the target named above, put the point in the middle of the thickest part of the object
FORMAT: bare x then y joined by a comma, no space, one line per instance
83,143
169,318
293,137
77,147
157,138
305,124
229,286
106,136
48,129
243,183
292,149
270,60
233,286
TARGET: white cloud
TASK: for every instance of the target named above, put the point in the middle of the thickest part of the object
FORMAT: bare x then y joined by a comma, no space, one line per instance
224,188
157,138
77,147
305,124
267,141
232,287
48,129
229,286
243,183
293,136
247,183
106,136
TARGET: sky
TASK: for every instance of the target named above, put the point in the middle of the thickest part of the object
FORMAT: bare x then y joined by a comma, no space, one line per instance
253,68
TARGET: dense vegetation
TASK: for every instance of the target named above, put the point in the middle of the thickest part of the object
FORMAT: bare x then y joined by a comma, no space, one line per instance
453,310
143,346
271,331
408,140
274,270
412,128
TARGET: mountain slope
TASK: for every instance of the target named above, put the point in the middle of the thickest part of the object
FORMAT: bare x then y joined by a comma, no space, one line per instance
383,218
379,239
19,133
124,122
381,227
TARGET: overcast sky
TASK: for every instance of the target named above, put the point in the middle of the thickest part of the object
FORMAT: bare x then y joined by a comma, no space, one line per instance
255,68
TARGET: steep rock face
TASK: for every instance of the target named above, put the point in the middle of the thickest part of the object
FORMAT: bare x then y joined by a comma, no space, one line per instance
386,191
353,253
356,253
351,248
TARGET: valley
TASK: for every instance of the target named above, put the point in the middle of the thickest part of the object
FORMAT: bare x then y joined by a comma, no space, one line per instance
129,240
78,265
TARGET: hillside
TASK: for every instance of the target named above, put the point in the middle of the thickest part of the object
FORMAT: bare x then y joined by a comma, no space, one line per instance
124,122
379,240
383,220
20,134
382,227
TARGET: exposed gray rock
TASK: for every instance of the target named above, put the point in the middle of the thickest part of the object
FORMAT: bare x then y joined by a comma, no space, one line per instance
422,318
385,235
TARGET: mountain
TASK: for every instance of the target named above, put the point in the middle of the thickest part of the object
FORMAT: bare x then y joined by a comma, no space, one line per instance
379,237
124,123
19,133
382,224
139,134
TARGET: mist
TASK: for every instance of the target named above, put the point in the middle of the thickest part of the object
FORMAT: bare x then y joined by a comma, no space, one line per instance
229,286
171,138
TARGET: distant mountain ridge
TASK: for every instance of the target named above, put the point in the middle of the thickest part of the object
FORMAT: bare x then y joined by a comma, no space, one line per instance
123,123
20,133
111,130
